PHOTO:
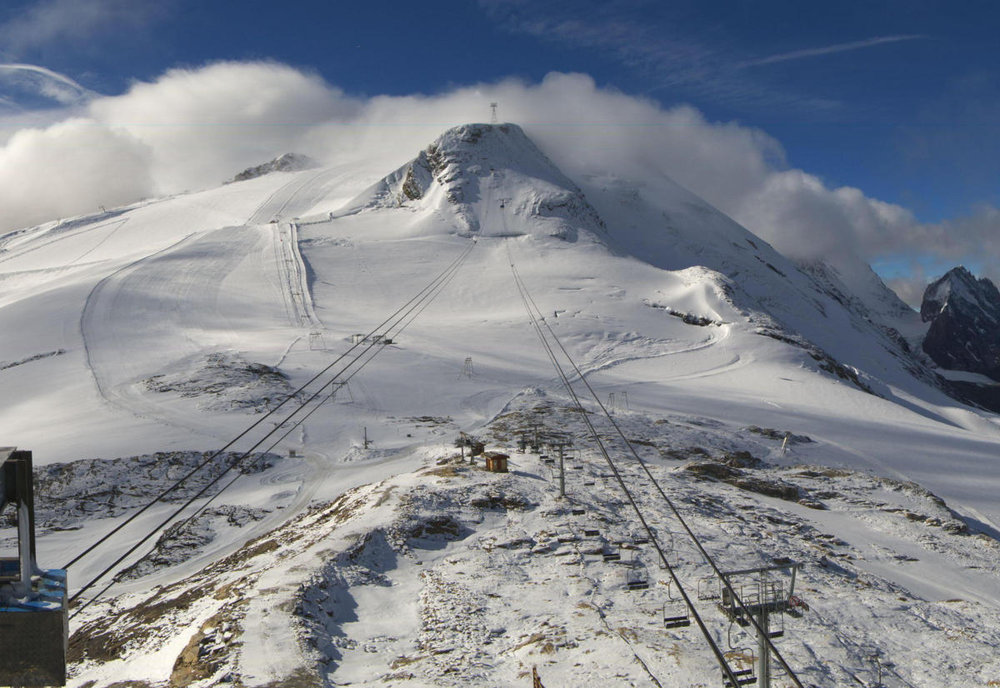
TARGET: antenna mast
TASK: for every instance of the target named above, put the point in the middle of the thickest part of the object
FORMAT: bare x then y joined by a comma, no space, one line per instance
493,111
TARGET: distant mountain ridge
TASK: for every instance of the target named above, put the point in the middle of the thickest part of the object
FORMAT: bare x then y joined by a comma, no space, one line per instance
964,317
289,162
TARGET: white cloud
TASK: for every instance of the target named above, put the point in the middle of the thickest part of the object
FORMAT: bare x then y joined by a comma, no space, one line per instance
829,50
204,125
41,81
48,21
69,168
193,128
911,287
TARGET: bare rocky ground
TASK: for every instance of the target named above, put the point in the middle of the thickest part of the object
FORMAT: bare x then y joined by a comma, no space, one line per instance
451,575
225,381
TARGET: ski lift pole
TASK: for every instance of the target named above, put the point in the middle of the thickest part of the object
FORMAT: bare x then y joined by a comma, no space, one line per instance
763,652
562,472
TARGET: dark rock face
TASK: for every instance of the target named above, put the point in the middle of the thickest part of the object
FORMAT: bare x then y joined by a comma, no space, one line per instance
964,313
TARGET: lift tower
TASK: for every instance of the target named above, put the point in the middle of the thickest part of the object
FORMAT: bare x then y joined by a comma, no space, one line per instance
761,592
33,619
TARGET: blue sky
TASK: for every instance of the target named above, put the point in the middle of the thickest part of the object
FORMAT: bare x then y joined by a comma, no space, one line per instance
898,99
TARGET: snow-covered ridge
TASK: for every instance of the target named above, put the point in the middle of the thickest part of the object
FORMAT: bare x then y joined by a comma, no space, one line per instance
453,576
479,170
288,162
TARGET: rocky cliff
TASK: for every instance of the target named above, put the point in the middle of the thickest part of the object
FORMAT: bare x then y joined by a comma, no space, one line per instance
964,317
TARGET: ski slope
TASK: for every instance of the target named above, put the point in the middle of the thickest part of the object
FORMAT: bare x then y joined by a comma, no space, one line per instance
130,332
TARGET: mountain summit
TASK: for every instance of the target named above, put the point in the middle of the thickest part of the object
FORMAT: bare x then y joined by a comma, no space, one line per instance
289,162
474,172
964,313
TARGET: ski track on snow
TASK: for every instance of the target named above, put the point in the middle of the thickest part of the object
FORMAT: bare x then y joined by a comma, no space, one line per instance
117,383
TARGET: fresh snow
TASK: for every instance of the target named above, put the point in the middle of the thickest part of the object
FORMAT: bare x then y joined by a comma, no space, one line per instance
169,326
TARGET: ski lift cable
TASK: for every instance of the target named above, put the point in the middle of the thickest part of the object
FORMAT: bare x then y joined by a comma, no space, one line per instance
415,305
670,504
690,605
293,395
183,524
299,422
526,298
370,350
340,382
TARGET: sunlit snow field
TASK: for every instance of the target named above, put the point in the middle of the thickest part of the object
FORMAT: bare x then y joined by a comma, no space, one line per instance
284,269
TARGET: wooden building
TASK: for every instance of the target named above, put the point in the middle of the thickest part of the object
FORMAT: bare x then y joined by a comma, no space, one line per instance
496,463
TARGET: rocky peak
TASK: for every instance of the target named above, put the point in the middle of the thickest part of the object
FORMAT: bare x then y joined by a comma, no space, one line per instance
289,162
959,289
964,316
479,170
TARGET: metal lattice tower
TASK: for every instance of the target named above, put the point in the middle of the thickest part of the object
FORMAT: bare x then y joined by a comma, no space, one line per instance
316,342
618,402
493,113
761,596
467,370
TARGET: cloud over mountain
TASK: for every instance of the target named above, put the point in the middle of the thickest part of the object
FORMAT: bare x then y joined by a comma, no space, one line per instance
193,128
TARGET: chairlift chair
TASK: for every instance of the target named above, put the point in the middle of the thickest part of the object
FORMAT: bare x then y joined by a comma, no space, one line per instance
744,677
675,611
675,615
777,626
636,579
707,589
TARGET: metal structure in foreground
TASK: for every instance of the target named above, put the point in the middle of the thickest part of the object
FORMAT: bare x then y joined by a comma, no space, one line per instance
33,619
760,593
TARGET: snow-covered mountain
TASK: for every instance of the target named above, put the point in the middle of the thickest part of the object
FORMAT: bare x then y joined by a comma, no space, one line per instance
781,404
492,181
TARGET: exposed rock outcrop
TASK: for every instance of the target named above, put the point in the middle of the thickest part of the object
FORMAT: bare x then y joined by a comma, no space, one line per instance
289,162
964,316
493,180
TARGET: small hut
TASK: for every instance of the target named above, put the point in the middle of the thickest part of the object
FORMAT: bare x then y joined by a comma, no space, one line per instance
496,463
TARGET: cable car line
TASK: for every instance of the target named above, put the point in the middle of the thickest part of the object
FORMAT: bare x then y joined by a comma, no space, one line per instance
183,524
526,298
267,415
400,319
369,350
708,558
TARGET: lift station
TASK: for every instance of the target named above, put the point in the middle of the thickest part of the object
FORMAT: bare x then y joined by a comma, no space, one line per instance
33,618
